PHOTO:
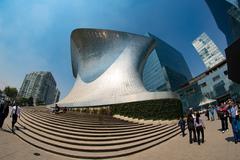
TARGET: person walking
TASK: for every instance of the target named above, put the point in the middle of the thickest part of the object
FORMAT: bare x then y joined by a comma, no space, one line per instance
225,116
191,128
199,125
211,112
221,116
16,111
4,112
181,124
233,113
207,114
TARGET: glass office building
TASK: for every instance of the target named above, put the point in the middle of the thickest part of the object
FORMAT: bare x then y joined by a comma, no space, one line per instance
227,15
208,51
216,85
190,94
212,84
165,68
41,86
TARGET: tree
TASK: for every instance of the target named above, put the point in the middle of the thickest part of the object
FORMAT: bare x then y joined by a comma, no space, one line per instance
30,101
22,101
11,92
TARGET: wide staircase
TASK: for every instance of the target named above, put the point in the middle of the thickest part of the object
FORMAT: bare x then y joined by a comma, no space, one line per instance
86,136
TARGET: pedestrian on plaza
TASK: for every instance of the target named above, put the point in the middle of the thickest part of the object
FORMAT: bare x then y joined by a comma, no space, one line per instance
4,112
211,112
181,124
1,112
15,114
191,128
225,115
199,125
233,113
57,108
64,109
218,107
222,118
207,114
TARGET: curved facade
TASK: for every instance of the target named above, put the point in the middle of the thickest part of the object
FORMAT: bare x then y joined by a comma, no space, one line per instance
108,68
165,69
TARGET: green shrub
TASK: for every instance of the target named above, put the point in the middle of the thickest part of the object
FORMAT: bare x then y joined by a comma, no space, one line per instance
152,109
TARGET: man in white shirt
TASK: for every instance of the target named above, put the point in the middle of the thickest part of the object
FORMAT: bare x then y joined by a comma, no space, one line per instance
16,111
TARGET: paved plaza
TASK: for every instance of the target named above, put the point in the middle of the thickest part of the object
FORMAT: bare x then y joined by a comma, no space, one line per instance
217,146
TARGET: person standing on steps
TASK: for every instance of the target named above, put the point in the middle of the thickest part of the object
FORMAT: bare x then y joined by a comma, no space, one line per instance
199,125
191,128
4,112
16,111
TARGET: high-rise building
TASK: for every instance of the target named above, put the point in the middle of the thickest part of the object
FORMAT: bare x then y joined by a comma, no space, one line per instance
227,16
165,68
208,51
41,86
57,95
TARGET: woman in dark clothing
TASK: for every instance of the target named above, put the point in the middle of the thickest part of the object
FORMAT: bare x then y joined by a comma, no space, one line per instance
4,112
191,128
199,125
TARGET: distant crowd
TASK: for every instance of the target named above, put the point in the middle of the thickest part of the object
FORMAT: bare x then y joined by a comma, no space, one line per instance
226,112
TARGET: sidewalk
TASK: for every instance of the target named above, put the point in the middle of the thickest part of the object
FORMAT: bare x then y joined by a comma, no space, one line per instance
218,146
13,148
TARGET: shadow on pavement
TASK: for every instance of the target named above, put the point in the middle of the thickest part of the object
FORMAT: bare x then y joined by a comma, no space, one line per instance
220,130
230,139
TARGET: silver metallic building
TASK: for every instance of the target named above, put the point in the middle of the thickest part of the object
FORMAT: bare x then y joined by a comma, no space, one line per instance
108,68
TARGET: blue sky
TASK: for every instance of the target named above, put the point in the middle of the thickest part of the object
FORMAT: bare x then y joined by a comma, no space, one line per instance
35,35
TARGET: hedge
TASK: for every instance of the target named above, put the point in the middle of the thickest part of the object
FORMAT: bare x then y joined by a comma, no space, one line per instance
153,109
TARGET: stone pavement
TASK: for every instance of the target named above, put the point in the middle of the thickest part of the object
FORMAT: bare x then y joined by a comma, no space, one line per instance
218,146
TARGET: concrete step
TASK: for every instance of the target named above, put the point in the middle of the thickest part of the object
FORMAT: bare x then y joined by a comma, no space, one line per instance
89,122
78,116
84,126
74,126
71,114
96,154
93,148
85,142
84,137
84,133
